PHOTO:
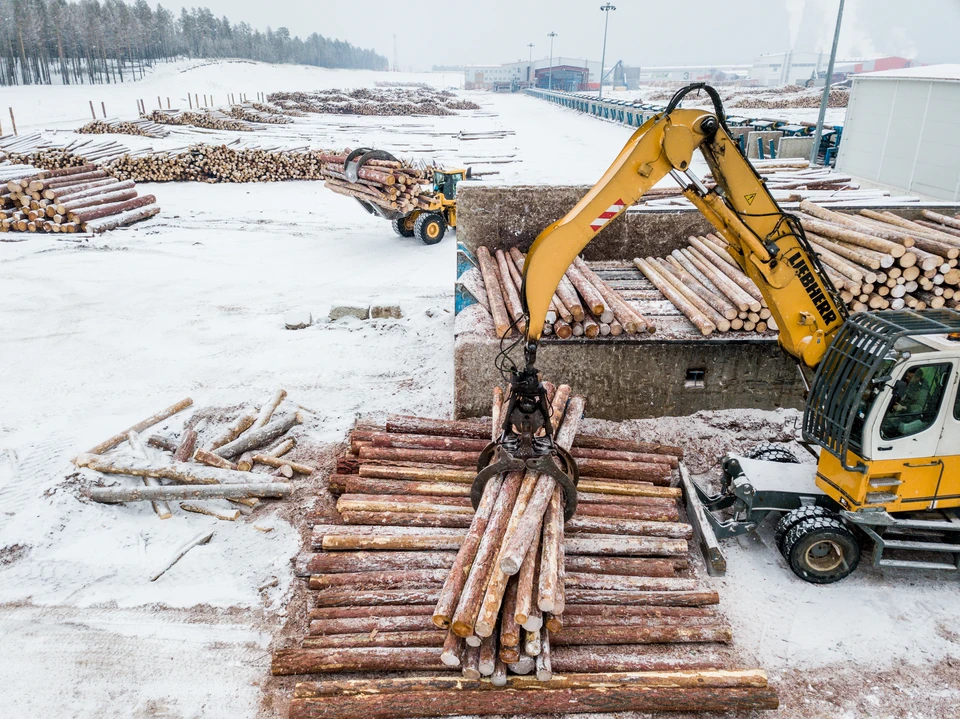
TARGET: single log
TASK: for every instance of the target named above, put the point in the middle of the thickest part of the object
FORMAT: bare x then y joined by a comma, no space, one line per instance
488,656
587,615
470,428
387,579
389,503
348,562
380,469
616,525
657,473
431,456
188,444
423,441
376,639
348,612
670,599
312,661
177,471
85,215
550,589
510,291
120,220
510,630
523,665
453,650
268,408
212,460
109,444
635,489
253,438
366,485
626,583
854,237
527,612
112,495
605,544
644,513
227,516
471,662
162,443
277,462
635,567
365,625
491,283
588,441
618,634
506,701
375,597
544,664
234,429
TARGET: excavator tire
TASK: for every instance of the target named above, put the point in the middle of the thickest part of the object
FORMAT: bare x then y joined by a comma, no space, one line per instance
772,453
402,226
791,519
822,550
430,227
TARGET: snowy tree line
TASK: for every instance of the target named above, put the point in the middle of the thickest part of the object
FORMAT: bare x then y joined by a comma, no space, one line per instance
56,41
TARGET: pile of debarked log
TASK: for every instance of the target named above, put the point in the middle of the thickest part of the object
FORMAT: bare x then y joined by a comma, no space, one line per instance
584,305
83,198
209,119
243,457
601,611
252,113
394,185
143,128
221,163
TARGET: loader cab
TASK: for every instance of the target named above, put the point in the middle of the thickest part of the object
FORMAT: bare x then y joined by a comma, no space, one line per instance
897,380
445,182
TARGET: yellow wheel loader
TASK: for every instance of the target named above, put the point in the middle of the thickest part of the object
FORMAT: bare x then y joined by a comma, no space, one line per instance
437,210
883,405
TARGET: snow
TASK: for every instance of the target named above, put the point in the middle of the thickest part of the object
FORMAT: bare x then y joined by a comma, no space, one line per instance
101,332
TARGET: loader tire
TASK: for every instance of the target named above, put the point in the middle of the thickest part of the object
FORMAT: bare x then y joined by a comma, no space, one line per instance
822,550
791,519
430,227
772,453
403,226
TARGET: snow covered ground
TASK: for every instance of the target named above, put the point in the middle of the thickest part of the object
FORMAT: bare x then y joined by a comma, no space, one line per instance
99,333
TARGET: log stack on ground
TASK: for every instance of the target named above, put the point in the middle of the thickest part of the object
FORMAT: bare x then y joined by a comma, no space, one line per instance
71,199
393,185
501,599
143,128
384,102
203,461
208,119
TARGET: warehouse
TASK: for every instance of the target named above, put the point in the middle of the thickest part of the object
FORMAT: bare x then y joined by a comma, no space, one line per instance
900,130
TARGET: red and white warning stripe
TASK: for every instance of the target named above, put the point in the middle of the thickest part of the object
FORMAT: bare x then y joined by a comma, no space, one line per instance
605,217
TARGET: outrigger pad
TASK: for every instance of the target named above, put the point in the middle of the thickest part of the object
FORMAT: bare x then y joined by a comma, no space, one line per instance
495,460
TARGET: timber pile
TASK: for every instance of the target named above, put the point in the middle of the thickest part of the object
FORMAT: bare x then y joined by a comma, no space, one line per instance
266,109
584,305
205,462
71,199
384,102
144,128
507,610
789,180
210,120
392,185
249,113
838,98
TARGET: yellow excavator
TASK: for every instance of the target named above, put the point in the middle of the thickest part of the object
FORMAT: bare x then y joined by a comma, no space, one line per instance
882,406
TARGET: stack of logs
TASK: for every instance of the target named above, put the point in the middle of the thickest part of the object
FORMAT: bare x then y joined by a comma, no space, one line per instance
204,462
211,120
219,163
143,128
393,185
704,282
383,102
583,305
878,260
252,113
415,580
71,199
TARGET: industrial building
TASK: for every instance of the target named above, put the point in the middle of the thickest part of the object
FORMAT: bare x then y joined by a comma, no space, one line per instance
900,130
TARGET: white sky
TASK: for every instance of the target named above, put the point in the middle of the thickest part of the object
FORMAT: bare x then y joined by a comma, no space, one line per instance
667,32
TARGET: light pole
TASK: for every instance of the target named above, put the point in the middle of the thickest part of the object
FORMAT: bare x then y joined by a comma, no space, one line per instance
551,35
530,61
606,19
818,133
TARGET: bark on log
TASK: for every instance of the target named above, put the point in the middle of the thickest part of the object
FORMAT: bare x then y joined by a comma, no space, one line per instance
109,444
692,293
628,583
212,460
278,463
527,612
431,456
415,471
251,439
385,579
491,283
177,471
425,441
349,612
634,489
470,428
669,599
124,218
510,292
234,429
616,525
355,484
268,408
348,562
365,625
589,441
188,444
633,567
113,495
453,650
85,215
433,638
619,634
375,597
853,237
312,661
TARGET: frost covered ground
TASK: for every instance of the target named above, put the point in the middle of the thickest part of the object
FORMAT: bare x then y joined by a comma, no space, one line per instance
99,333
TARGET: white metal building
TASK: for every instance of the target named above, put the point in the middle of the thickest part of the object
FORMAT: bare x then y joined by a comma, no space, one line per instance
787,68
901,130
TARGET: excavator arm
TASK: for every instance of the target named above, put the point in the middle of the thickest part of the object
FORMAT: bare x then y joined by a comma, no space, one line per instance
767,243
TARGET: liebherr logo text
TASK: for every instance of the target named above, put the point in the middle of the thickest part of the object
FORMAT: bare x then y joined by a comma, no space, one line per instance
809,282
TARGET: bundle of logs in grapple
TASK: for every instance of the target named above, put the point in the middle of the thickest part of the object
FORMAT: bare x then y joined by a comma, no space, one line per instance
69,199
206,461
583,305
394,185
507,594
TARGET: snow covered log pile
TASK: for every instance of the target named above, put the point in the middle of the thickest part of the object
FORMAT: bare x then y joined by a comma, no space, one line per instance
70,199
509,597
143,128
584,305
384,102
205,461
392,185
252,113
790,97
209,119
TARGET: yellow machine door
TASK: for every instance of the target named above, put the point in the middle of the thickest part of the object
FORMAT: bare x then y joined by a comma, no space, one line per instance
905,436
949,448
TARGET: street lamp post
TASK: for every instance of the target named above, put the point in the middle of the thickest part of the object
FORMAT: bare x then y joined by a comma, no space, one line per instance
606,19
551,35
825,99
530,60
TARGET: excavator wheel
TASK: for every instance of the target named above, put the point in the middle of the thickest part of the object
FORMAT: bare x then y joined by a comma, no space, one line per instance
430,227
822,550
791,519
403,226
772,453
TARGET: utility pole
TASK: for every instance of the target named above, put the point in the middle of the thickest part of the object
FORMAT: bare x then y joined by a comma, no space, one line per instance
818,134
551,35
606,19
530,60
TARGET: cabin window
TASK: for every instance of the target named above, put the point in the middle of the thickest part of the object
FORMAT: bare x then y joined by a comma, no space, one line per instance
916,401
